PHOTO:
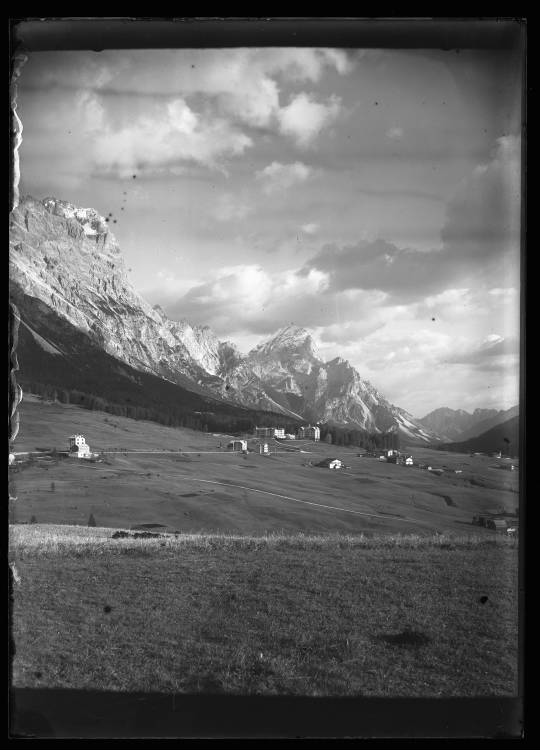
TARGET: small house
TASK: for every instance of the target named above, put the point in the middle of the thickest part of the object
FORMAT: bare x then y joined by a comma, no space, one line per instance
237,445
263,448
409,461
78,447
330,463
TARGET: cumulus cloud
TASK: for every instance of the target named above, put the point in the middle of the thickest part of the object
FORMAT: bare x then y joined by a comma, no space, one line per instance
249,298
304,118
311,228
276,176
178,134
244,84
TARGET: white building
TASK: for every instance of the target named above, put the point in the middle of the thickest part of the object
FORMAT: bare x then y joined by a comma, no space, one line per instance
309,432
263,448
279,432
78,447
409,461
330,463
237,445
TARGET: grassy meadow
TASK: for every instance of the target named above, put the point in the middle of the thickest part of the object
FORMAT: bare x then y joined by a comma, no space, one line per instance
280,614
206,489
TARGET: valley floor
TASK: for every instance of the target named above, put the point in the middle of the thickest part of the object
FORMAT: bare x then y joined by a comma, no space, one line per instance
187,481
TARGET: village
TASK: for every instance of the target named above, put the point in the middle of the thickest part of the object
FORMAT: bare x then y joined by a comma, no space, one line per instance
297,452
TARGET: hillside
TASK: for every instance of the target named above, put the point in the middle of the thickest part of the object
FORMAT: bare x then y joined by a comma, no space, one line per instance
54,353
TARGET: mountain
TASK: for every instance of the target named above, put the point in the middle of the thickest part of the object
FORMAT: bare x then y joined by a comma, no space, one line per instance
489,423
450,424
66,261
503,437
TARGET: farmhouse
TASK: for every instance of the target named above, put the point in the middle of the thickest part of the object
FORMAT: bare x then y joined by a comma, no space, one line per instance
409,461
237,445
263,448
78,448
330,463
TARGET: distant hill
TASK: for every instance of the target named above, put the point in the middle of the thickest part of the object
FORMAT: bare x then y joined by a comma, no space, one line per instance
503,437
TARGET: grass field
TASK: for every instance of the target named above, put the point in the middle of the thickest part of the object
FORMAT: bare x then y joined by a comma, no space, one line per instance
207,489
282,614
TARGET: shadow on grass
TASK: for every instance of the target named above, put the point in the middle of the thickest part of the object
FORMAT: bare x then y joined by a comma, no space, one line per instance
86,714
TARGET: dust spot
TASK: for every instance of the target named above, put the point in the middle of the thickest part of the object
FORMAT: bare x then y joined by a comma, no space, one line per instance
483,599
107,609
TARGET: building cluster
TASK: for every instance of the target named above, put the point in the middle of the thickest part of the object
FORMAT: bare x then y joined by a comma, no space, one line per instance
306,432
78,447
393,456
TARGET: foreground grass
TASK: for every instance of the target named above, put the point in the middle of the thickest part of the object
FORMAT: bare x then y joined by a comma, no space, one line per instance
322,615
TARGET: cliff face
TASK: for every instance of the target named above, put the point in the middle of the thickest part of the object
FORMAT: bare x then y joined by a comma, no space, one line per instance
68,259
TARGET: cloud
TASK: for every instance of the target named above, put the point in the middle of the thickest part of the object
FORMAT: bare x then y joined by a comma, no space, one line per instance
394,133
483,217
494,353
248,298
480,239
304,118
243,83
312,228
177,134
276,177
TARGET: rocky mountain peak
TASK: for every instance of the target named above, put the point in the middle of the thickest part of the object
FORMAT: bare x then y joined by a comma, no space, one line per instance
289,340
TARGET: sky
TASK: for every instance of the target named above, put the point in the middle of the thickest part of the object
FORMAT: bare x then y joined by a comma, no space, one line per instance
370,196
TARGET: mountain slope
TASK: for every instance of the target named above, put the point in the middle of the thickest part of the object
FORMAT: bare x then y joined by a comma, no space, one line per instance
451,424
53,352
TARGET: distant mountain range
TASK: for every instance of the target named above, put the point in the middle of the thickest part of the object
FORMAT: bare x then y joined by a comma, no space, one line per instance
504,437
459,425
81,315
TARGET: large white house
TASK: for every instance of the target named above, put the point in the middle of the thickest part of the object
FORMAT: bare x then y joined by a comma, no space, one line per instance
78,447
